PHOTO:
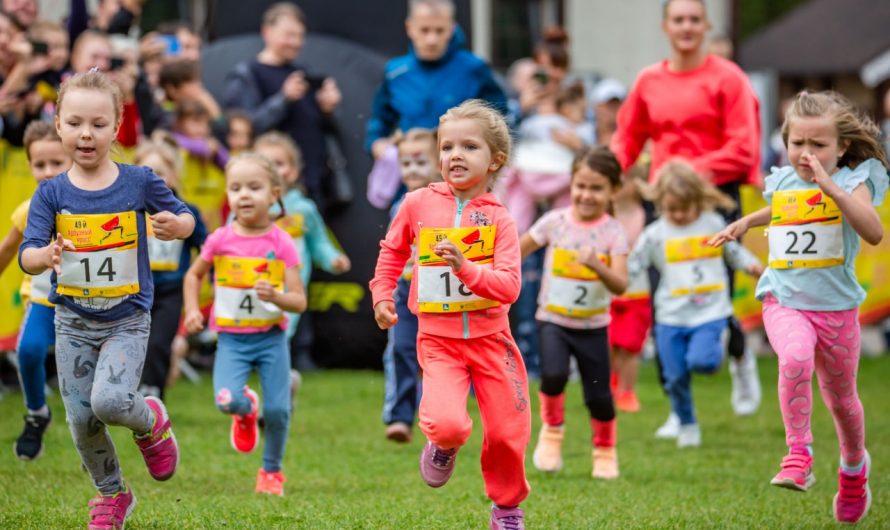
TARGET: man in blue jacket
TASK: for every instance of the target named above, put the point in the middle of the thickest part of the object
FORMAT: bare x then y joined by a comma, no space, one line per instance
436,74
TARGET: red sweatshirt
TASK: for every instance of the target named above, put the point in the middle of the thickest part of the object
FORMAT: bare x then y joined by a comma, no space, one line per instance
436,207
707,116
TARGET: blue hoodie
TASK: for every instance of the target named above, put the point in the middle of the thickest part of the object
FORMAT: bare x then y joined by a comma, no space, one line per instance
415,93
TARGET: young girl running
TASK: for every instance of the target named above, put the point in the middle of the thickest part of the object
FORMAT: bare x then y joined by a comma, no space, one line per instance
46,159
819,208
257,277
586,262
169,262
465,277
89,225
692,301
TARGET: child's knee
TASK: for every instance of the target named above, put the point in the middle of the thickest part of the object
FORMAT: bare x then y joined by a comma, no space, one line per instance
447,433
115,408
601,407
553,384
225,401
706,365
276,419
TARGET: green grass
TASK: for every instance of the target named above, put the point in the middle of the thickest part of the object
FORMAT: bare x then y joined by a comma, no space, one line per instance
343,474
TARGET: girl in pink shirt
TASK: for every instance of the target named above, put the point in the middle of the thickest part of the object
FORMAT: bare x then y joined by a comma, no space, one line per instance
586,263
257,278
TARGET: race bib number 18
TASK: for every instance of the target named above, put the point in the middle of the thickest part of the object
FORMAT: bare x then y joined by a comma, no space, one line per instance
805,231
438,289
105,260
236,303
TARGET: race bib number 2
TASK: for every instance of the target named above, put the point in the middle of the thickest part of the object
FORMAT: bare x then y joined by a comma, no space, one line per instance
105,261
575,290
438,288
236,303
805,231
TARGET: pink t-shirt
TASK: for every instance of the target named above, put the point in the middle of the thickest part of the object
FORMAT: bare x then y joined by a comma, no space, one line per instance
274,244
559,229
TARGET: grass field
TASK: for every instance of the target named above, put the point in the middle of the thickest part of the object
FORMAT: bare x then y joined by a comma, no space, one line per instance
342,473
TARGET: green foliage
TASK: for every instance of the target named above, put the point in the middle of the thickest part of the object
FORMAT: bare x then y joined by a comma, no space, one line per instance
342,473
754,15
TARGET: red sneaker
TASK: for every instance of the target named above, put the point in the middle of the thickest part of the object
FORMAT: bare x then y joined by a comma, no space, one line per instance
245,435
111,512
159,448
853,497
270,482
797,470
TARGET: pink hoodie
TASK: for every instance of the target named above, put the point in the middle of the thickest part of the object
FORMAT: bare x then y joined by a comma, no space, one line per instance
437,207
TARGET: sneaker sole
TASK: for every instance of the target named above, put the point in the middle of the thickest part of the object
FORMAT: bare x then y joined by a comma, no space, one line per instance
162,478
256,441
789,484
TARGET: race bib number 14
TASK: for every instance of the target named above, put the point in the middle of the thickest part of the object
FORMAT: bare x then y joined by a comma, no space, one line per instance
105,260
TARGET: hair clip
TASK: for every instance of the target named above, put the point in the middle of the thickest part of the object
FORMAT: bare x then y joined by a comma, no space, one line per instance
93,70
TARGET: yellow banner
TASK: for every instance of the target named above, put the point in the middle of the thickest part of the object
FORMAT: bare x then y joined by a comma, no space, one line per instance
17,185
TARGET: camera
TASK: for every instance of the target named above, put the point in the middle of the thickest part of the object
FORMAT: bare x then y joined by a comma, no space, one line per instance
541,76
39,48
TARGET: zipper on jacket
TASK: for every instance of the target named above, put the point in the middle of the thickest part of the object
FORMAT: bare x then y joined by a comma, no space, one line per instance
457,216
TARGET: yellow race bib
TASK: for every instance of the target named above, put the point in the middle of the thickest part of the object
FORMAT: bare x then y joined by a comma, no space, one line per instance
293,224
438,289
105,260
236,303
575,290
693,266
805,231
163,255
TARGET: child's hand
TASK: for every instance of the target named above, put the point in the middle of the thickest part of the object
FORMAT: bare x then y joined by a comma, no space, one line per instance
588,256
449,252
55,252
165,225
755,269
385,314
820,177
341,264
732,232
265,291
194,321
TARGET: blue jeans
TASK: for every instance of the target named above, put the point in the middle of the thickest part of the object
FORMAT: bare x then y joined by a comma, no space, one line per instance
237,354
683,351
38,333
400,366
525,329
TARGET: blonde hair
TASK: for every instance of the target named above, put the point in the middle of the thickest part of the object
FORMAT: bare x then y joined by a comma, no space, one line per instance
283,9
278,139
858,131
494,128
93,80
679,179
163,145
267,167
417,134
38,131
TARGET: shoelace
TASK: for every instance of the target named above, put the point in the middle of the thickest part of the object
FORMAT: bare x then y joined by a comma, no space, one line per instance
852,487
442,458
511,522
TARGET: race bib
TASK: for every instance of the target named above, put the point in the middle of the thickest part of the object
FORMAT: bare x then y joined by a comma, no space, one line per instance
575,290
637,285
805,231
438,288
39,289
693,266
236,303
293,224
104,263
163,255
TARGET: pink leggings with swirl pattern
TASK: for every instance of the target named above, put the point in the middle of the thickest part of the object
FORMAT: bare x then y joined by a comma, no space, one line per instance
827,341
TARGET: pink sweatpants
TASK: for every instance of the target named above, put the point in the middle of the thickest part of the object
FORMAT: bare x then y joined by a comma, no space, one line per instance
827,341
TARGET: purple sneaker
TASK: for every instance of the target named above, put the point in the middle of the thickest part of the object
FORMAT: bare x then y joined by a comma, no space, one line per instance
436,464
507,518
159,448
853,497
111,512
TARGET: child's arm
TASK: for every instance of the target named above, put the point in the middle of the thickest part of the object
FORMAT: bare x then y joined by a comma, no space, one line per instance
395,250
640,257
191,292
856,206
737,229
528,245
9,247
501,282
321,249
171,218
168,226
294,297
740,258
613,276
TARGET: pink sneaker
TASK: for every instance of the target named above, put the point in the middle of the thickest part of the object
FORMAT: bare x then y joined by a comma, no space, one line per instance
159,448
853,497
436,464
507,518
797,470
111,512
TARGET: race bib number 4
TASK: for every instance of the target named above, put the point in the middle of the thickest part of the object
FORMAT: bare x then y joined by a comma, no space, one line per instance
693,266
438,289
104,262
574,290
236,303
805,231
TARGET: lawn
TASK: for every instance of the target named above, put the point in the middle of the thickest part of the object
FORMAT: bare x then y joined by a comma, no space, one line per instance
342,473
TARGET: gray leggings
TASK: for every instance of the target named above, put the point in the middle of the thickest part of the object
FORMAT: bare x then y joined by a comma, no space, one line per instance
99,365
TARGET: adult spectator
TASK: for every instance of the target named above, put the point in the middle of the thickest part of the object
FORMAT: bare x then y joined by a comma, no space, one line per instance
277,94
702,108
23,12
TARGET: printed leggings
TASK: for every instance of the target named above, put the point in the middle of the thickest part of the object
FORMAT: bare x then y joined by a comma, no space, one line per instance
827,342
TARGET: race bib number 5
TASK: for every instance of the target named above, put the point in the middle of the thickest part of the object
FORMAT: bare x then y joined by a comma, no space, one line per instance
236,304
104,262
438,288
805,231
575,290
693,266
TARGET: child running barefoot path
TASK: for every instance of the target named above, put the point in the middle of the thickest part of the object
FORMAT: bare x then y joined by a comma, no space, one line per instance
257,277
586,262
819,208
466,275
89,226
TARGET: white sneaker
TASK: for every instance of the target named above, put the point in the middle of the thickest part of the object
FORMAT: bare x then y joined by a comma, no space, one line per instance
690,436
746,391
670,429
